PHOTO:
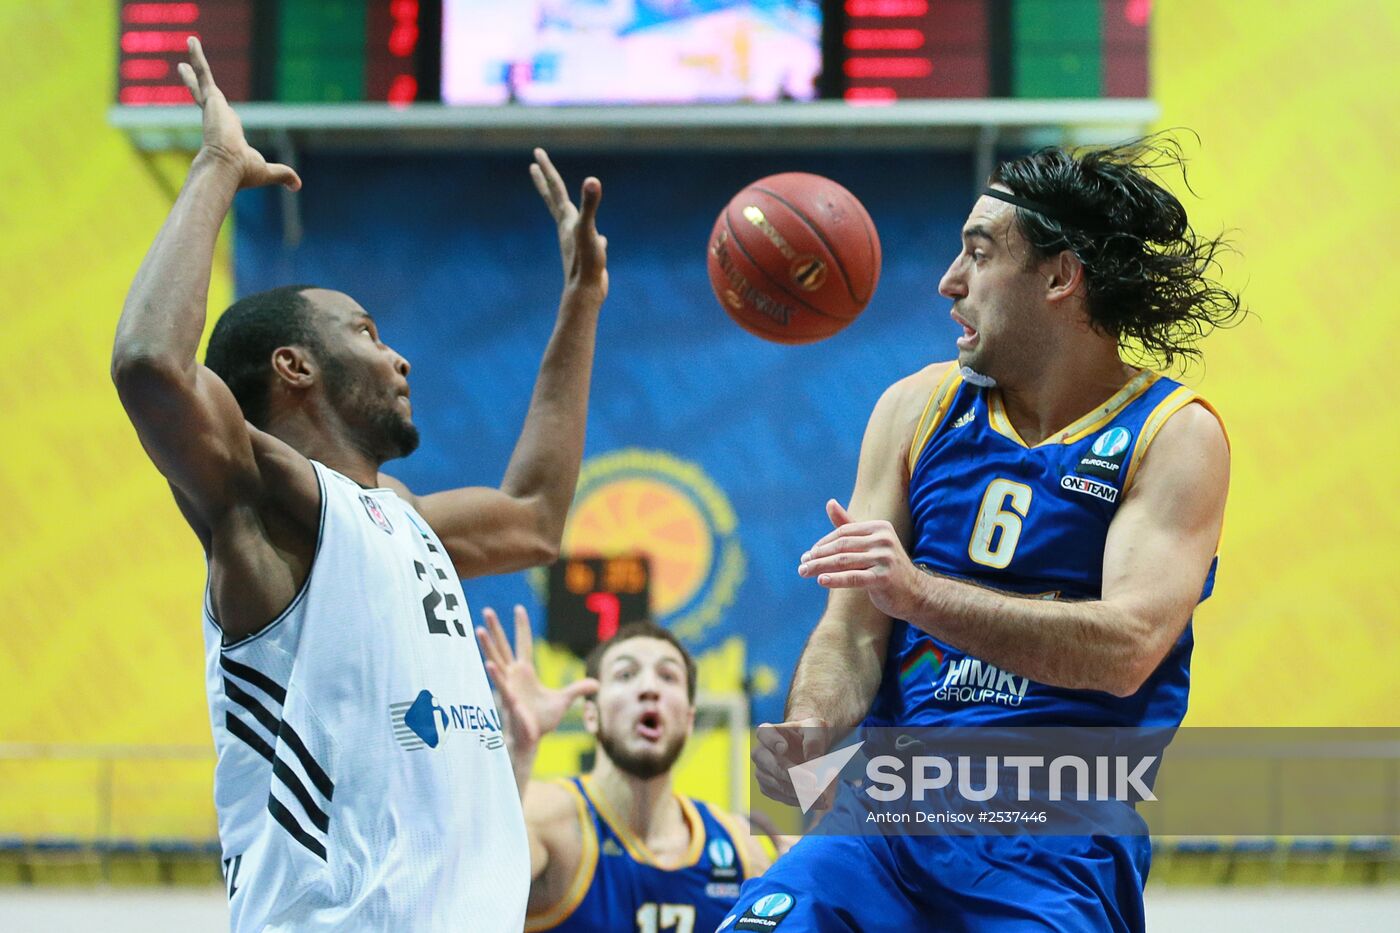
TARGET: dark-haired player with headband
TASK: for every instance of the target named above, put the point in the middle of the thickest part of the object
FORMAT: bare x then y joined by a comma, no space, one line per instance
1039,463
617,850
362,780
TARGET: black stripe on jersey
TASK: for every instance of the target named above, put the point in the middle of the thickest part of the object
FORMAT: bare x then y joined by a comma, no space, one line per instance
289,777
282,815
243,699
253,676
287,735
241,730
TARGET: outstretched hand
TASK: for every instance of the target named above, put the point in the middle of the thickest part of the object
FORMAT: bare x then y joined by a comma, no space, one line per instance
223,131
583,250
867,556
532,709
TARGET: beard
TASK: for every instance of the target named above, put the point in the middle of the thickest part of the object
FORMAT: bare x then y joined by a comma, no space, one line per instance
644,765
384,431
395,435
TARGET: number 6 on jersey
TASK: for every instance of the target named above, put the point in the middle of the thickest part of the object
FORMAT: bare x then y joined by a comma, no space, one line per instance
994,515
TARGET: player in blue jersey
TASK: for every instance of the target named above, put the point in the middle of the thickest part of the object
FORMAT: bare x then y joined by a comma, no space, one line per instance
1031,529
618,849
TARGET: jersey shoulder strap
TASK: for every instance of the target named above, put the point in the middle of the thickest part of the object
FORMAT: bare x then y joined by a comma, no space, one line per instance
935,408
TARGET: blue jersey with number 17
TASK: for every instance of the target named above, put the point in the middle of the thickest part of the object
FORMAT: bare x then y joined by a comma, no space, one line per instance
1030,520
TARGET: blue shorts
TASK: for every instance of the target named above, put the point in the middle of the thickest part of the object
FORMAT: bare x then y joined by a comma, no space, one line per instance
904,883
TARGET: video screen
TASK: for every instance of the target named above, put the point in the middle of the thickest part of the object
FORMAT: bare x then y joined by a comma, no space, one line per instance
629,51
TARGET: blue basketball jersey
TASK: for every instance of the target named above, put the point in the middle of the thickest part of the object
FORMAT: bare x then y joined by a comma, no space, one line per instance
1030,520
619,887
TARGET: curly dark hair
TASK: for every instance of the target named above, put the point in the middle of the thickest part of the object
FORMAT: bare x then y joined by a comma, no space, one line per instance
240,348
1147,271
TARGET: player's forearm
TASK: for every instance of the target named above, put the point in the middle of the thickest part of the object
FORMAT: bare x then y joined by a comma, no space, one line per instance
522,760
163,317
1089,645
545,464
836,678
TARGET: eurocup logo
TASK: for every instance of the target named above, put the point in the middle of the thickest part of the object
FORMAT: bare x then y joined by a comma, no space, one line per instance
772,905
1112,442
721,853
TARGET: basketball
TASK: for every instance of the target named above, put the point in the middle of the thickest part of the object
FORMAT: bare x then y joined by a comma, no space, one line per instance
794,258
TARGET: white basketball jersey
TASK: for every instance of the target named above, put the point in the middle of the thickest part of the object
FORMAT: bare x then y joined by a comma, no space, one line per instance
363,781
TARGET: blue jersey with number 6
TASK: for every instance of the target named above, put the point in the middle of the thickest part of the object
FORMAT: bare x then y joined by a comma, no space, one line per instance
1031,520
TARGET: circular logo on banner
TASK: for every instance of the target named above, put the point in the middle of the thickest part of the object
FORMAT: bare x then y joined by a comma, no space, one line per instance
653,503
1112,442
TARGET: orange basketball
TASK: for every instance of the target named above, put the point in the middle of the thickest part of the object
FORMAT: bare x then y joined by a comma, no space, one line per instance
794,258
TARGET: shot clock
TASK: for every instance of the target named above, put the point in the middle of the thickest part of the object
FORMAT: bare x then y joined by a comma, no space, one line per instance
590,598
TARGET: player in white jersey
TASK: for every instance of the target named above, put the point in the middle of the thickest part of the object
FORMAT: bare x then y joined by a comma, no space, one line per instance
362,780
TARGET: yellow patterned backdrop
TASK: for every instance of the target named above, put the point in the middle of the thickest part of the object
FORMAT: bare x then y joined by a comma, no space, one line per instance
1295,106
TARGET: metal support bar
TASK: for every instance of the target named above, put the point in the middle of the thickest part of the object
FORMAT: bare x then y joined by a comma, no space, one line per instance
285,151
984,156
823,125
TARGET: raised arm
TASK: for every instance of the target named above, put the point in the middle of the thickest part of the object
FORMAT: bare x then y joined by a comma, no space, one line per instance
186,417
520,524
531,711
1156,558
840,668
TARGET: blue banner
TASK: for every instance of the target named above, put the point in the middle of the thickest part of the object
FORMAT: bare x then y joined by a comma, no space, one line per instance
709,448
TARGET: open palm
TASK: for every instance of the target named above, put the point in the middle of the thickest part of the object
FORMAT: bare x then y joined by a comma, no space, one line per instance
582,248
223,131
532,708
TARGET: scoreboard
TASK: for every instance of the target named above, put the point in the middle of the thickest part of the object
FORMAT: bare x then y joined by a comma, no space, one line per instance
151,42
900,49
533,52
590,598
295,51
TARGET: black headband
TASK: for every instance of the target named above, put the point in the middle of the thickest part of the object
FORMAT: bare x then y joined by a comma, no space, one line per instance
1038,206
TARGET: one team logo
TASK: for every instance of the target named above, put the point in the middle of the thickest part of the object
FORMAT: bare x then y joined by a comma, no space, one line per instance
424,723
376,514
1090,488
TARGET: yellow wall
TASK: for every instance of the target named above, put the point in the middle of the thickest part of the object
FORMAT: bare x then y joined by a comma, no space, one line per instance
101,639
1295,104
98,577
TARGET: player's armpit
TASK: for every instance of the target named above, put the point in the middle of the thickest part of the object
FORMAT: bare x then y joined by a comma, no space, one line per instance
486,531
1165,534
